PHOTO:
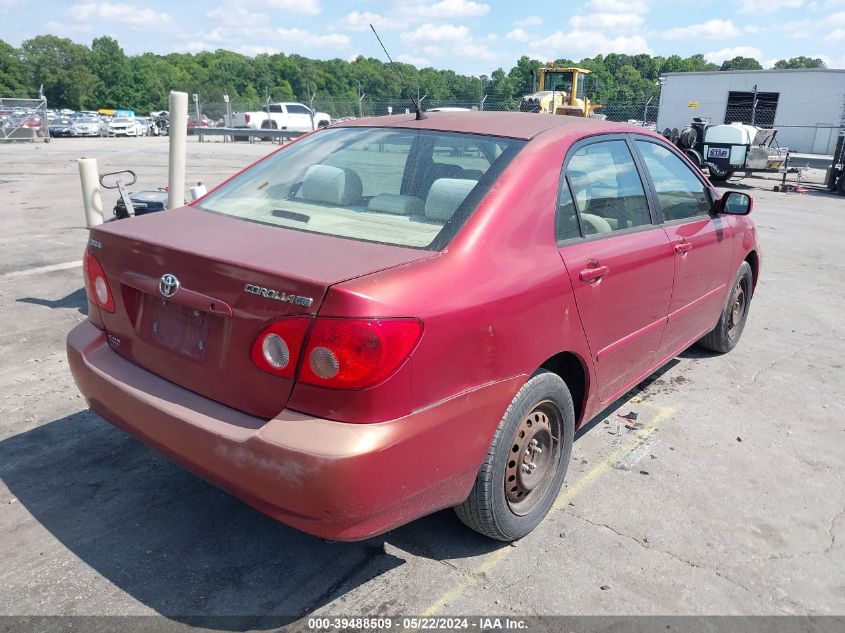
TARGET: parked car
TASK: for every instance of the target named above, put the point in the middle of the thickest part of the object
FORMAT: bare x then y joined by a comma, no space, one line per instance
282,116
195,122
87,126
393,316
59,126
122,126
142,126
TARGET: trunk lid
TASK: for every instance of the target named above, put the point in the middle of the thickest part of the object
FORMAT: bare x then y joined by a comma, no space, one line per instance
233,277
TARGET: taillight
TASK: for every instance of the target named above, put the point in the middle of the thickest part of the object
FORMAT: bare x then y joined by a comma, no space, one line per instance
246,118
277,348
357,353
96,286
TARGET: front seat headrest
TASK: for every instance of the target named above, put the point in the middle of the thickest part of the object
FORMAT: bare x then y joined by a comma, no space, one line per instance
333,185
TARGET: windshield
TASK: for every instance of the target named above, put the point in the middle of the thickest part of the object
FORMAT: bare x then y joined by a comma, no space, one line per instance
558,82
87,119
388,185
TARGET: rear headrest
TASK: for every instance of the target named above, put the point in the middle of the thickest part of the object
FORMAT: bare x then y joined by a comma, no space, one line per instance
446,195
333,185
394,203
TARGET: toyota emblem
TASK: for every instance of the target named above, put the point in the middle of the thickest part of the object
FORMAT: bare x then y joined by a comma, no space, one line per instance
168,285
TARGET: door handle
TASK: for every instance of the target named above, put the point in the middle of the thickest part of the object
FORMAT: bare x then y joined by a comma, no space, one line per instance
682,247
593,274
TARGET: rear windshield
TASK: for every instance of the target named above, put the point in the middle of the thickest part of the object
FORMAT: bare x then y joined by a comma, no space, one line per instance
392,186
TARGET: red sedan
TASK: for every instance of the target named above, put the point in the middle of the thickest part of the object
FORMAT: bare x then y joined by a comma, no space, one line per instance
393,316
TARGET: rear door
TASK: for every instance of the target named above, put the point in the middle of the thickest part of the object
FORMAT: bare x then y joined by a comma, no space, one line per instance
618,259
299,117
700,243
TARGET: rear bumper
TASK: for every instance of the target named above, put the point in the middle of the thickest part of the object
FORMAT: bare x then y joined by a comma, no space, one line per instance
332,479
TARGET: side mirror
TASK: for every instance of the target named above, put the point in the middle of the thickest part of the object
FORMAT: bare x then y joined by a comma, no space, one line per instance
735,203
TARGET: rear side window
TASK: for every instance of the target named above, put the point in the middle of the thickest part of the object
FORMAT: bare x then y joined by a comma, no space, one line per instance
387,185
680,193
607,188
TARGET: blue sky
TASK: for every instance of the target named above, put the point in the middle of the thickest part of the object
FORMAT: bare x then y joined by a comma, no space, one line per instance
468,36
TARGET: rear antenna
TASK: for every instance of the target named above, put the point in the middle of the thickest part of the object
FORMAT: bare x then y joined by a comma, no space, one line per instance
420,114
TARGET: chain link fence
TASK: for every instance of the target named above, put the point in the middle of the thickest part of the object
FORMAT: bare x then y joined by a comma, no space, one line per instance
342,108
23,120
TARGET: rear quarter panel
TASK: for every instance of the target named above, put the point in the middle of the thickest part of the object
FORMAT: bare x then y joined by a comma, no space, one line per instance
495,304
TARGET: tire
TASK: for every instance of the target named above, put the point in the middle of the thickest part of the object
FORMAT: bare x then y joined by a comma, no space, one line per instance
543,409
724,337
719,175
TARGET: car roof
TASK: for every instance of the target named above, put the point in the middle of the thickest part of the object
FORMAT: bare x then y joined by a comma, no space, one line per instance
522,125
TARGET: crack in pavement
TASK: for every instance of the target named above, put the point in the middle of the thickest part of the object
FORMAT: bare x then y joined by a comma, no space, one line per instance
687,562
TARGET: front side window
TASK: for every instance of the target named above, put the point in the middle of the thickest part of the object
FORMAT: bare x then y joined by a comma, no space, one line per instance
295,108
607,189
680,193
388,185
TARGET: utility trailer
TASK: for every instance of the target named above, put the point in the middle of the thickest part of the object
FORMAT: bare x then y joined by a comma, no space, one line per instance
727,149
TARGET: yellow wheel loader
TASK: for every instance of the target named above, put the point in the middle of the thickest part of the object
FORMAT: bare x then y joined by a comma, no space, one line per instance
561,91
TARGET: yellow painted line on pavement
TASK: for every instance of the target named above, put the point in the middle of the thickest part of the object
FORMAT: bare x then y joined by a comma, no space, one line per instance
494,558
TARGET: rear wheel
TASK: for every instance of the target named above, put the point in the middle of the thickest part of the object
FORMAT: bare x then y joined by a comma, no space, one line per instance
728,330
524,468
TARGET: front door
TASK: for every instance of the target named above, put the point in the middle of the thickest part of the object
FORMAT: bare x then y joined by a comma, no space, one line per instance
618,260
700,242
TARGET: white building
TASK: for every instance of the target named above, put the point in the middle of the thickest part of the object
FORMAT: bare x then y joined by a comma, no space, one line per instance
807,106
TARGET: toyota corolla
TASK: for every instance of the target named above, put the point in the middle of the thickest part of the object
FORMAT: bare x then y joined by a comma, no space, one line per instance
394,316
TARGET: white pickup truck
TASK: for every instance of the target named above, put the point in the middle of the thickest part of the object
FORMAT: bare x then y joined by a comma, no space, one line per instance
282,116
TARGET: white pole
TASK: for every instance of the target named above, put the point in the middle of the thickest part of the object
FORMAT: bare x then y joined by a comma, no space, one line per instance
178,141
90,177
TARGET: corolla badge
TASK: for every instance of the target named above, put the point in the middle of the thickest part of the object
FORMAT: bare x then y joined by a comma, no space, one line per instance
168,285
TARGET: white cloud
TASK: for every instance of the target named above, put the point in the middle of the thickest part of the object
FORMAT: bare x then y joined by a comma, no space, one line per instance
589,43
716,57
419,62
235,13
517,35
115,12
476,50
836,35
606,21
309,7
361,20
620,6
5,5
199,46
768,6
712,29
531,20
252,50
308,39
436,33
68,28
456,9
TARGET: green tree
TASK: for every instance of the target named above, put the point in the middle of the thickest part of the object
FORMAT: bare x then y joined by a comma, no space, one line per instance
108,63
60,65
12,72
741,63
800,62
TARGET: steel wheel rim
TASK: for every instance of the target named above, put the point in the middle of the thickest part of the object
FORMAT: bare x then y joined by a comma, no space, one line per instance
533,458
738,306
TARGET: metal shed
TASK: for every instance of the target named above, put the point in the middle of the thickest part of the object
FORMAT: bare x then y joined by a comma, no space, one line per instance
806,106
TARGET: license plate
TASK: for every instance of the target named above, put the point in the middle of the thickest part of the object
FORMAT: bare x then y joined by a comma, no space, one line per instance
180,329
718,152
